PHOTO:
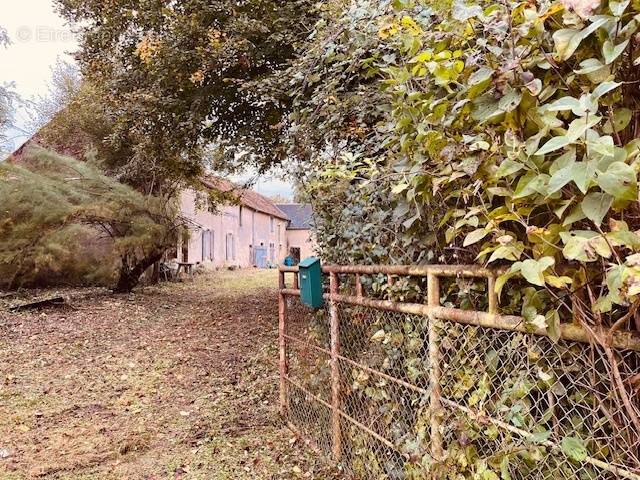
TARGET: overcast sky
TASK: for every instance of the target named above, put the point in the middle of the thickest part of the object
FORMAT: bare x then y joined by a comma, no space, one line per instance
39,37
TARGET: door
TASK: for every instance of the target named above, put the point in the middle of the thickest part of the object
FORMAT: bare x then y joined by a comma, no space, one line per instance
261,257
185,250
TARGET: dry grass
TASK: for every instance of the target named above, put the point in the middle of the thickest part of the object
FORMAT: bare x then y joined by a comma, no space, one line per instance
174,382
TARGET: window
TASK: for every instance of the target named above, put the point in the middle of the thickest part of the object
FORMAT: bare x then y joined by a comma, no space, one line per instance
271,223
272,252
208,245
230,247
240,216
279,225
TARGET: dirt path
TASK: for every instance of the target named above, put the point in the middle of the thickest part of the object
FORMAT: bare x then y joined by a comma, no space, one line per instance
174,382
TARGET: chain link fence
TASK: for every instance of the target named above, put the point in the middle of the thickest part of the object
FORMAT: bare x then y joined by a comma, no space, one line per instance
394,390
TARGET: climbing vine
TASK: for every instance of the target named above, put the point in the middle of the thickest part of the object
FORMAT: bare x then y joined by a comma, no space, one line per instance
500,133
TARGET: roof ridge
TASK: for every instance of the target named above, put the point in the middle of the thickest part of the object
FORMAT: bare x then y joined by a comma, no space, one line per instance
249,197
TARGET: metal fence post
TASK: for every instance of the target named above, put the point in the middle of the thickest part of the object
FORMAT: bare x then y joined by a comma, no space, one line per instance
282,342
358,286
433,298
335,369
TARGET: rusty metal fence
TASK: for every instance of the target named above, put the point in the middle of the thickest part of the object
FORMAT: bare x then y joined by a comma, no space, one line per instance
398,390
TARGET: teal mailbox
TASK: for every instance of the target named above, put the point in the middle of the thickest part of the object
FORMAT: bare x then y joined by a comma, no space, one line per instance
311,282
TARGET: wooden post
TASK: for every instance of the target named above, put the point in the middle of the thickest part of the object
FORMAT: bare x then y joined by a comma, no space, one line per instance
433,298
282,342
493,296
296,281
358,286
335,370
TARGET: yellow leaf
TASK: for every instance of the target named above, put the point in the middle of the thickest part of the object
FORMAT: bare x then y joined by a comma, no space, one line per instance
410,24
388,31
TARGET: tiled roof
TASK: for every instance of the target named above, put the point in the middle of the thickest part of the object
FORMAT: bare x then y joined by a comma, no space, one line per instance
249,198
301,215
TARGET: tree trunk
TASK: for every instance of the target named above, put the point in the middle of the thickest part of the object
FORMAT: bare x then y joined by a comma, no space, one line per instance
155,274
130,275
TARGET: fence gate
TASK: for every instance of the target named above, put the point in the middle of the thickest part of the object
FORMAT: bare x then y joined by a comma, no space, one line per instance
414,389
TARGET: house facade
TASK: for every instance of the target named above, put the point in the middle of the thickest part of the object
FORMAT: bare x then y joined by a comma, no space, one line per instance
250,233
300,241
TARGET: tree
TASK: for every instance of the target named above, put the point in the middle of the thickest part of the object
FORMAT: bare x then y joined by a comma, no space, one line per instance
175,80
50,203
178,76
72,118
65,87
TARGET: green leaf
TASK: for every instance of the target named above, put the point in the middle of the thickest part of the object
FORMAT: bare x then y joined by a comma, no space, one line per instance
590,65
508,167
399,188
554,144
563,176
574,448
378,336
567,40
611,51
624,238
510,100
557,282
553,325
507,252
575,215
618,8
480,76
540,437
504,278
533,270
530,184
619,181
475,236
563,104
583,175
579,126
485,108
584,245
621,119
596,205
565,160
604,88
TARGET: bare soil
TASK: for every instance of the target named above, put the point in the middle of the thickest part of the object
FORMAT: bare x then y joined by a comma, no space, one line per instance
176,381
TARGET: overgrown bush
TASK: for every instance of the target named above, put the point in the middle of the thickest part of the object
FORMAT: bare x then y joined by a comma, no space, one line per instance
496,133
63,221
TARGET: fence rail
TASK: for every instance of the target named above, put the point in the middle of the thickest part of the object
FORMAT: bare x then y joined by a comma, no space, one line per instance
406,390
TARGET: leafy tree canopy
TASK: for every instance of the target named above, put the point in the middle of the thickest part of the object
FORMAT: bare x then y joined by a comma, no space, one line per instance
177,76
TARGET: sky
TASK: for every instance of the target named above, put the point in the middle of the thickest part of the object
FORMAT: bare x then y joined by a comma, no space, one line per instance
39,38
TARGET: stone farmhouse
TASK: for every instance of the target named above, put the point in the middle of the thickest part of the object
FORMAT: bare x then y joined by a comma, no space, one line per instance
250,232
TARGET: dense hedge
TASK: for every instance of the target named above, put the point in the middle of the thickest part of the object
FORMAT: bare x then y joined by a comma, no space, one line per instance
498,133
